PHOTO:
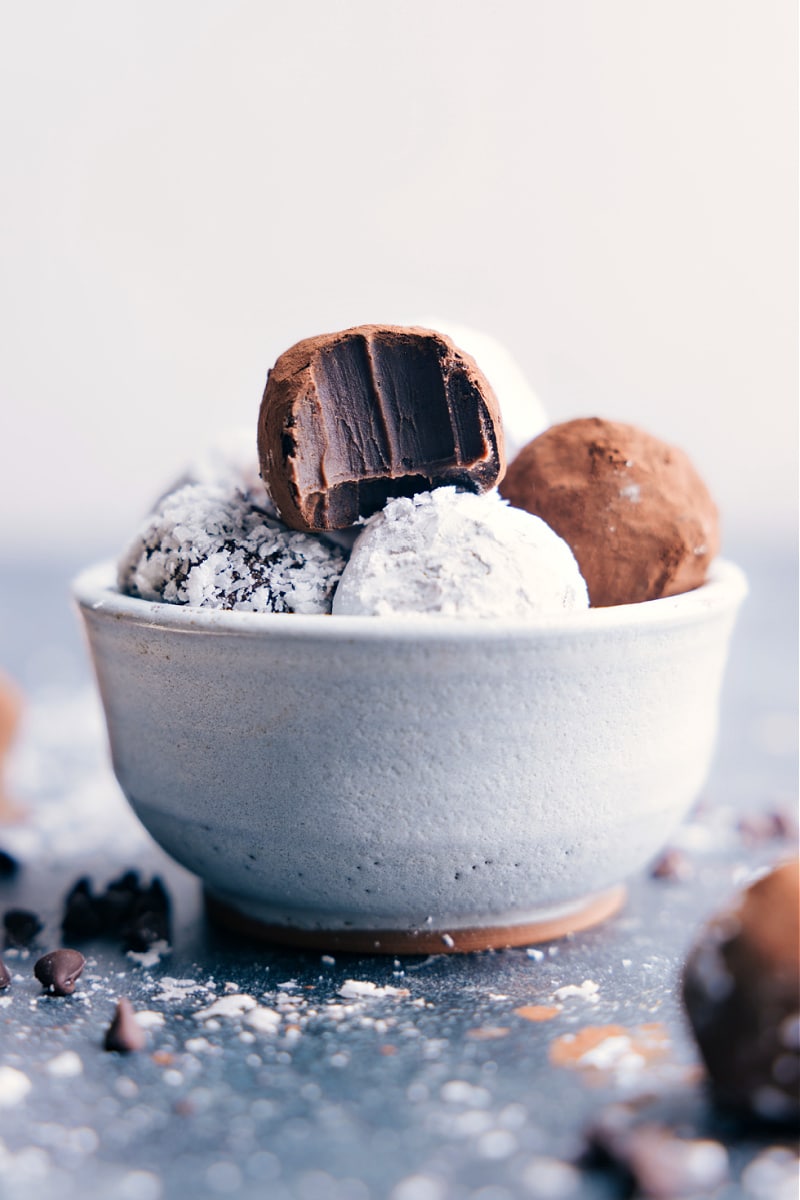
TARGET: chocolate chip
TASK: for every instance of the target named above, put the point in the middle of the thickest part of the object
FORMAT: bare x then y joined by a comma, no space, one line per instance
124,1034
127,882
21,927
673,864
773,825
59,971
8,865
118,903
139,915
653,1159
83,917
149,922
5,978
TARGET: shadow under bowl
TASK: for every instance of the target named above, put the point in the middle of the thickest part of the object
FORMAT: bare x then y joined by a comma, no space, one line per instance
411,784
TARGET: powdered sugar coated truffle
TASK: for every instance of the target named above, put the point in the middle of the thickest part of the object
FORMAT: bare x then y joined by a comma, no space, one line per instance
209,546
461,555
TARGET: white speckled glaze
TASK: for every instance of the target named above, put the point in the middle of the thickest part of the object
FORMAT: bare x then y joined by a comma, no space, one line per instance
397,773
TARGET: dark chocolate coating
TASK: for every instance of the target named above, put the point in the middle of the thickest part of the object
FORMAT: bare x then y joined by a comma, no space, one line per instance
633,510
741,989
350,420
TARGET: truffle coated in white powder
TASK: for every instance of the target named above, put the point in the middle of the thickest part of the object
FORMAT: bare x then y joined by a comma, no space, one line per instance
210,547
460,555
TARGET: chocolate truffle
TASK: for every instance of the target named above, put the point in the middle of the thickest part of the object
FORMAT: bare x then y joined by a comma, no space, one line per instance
350,420
211,548
741,988
637,516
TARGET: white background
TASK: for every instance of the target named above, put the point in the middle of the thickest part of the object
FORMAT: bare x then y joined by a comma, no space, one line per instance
609,187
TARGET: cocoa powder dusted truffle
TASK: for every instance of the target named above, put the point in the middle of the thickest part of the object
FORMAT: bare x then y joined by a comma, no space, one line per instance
637,516
741,988
350,420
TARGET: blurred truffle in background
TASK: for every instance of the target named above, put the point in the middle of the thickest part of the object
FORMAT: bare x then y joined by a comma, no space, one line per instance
741,988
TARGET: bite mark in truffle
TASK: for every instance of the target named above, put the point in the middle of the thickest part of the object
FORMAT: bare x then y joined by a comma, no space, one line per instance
352,419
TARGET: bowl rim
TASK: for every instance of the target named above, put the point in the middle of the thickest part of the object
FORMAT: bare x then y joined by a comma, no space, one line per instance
97,595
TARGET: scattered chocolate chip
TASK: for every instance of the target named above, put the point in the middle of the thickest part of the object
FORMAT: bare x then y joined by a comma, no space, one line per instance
124,1034
8,865
774,825
665,1166
5,977
660,1165
149,922
59,971
127,882
156,896
83,918
21,927
118,903
672,864
127,910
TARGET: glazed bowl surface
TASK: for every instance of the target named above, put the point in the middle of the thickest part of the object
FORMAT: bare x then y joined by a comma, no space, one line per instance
370,780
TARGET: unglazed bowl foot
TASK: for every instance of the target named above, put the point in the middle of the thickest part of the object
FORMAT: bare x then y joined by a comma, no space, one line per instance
545,927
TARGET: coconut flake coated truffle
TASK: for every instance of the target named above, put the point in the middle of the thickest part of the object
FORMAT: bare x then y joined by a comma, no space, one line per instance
741,989
460,555
638,517
210,547
231,463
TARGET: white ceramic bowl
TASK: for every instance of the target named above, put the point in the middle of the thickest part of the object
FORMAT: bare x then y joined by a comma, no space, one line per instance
411,783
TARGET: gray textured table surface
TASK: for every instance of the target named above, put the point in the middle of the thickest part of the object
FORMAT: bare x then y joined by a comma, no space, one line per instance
447,1086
